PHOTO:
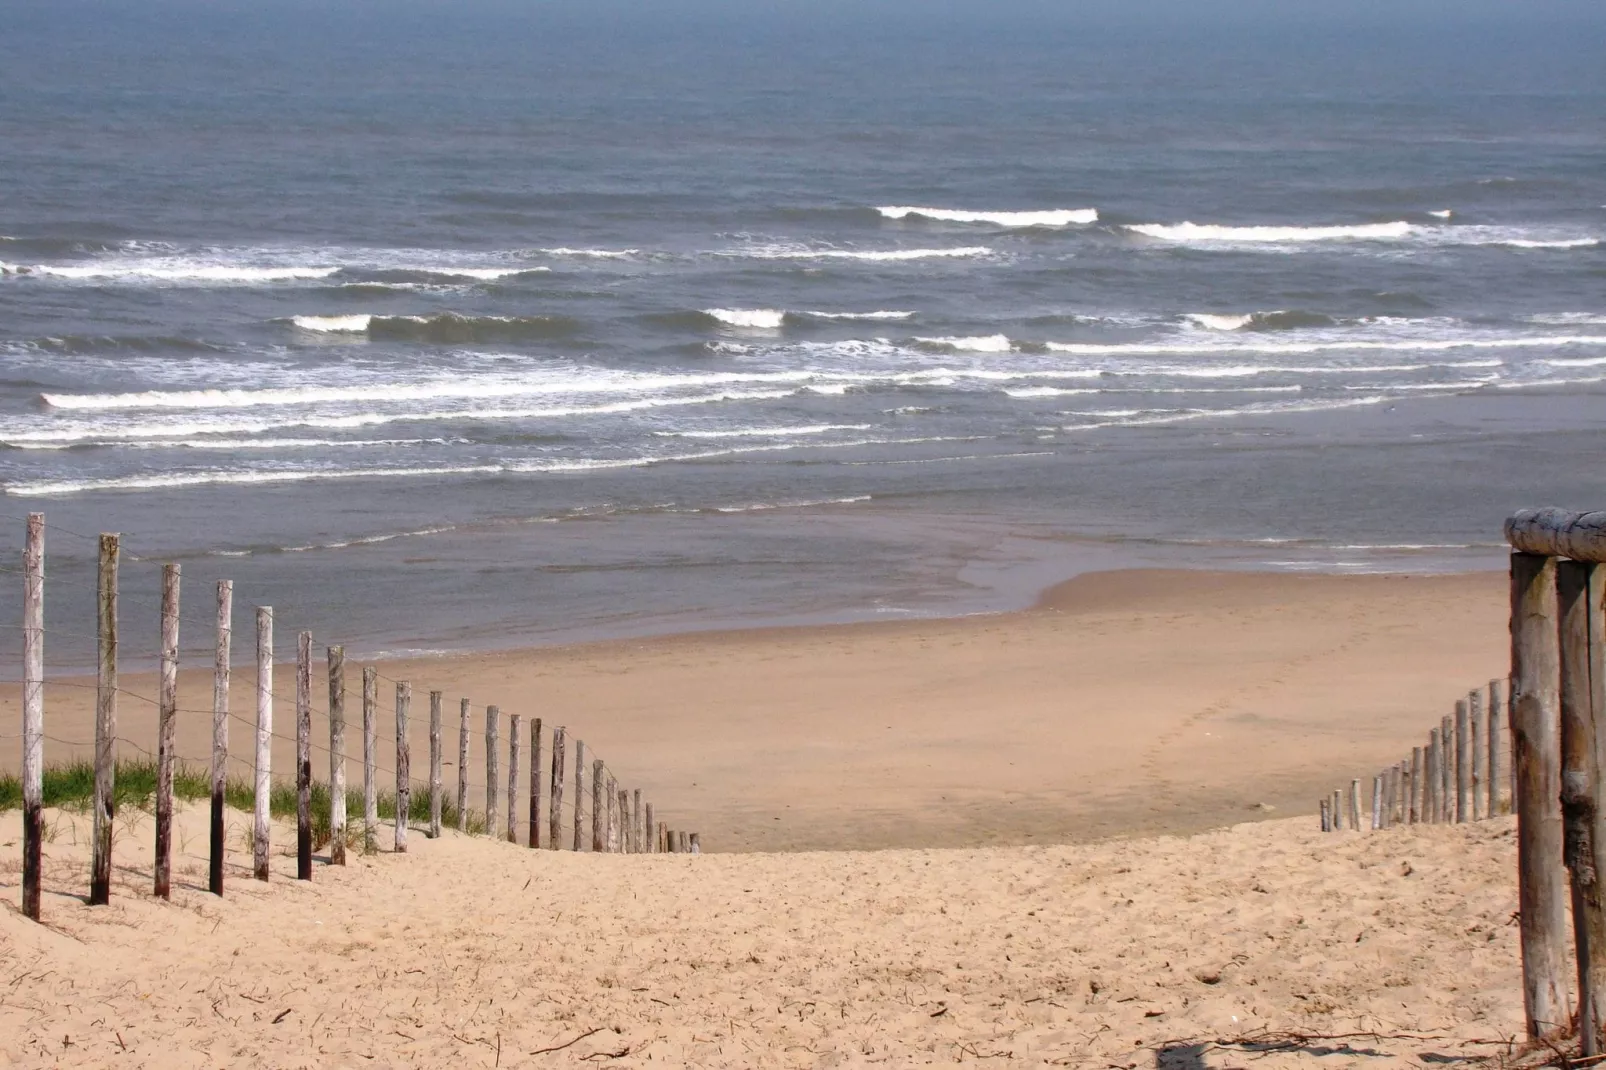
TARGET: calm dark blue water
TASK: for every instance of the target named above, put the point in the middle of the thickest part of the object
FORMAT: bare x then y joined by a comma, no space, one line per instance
445,328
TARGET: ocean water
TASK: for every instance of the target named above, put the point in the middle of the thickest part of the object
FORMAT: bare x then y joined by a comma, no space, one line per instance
481,327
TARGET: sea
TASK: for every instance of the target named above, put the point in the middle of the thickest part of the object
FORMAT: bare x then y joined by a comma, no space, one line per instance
445,327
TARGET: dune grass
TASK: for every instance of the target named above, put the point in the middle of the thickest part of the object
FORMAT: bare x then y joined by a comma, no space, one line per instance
72,787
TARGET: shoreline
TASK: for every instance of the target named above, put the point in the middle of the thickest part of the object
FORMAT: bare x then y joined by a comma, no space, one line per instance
1122,703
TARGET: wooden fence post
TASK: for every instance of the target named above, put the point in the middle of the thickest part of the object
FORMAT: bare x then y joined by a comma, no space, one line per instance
637,839
611,830
515,730
1447,769
370,759
263,767
437,701
404,765
304,756
683,842
1327,817
554,839
535,784
1434,781
1582,623
1414,815
222,669
1496,748
695,843
649,831
1463,765
1535,725
1377,802
493,714
621,842
166,732
599,807
1402,788
579,788
100,880
33,714
462,765
336,657
1475,754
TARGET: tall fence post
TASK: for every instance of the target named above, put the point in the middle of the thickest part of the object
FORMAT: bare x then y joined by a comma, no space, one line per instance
515,726
462,766
1535,728
100,879
535,783
493,714
370,759
1463,765
1354,805
166,732
33,714
222,668
554,839
337,754
599,806
304,756
436,701
1496,748
404,765
1414,814
1582,622
263,765
1475,755
579,789
1434,780
1447,770
636,835
649,831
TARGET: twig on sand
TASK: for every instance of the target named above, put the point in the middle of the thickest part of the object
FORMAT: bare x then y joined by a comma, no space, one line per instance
569,1044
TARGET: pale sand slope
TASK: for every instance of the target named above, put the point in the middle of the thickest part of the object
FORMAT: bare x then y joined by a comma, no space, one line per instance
1128,702
473,953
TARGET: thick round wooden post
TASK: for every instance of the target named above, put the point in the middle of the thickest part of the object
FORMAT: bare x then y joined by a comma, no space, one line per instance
304,756
1377,802
637,836
1327,817
694,842
535,784
599,807
33,713
263,765
1497,748
370,759
221,670
100,878
336,656
462,765
1414,814
649,831
1463,763
554,839
166,732
404,765
579,789
1475,755
1447,769
492,781
1583,624
437,702
615,817
515,735
1535,729
683,842
621,840
1430,780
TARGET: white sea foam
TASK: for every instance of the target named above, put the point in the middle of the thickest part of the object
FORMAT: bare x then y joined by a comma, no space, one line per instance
1049,391
1057,217
1569,318
796,252
1218,323
990,343
332,324
1560,243
1261,409
768,319
180,272
1204,232
1404,345
1442,213
878,315
765,432
811,504
595,254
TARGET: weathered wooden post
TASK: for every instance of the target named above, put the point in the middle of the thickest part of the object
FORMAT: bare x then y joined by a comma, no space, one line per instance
1336,808
637,837
1579,588
1447,769
1463,765
1497,764
1327,816
695,843
492,809
336,661
221,672
535,784
462,765
515,730
599,806
614,816
649,834
1377,803
1414,815
579,788
621,841
370,759
263,767
100,879
683,842
1535,725
437,701
554,839
166,732
1475,754
1434,780
33,714
404,765
304,756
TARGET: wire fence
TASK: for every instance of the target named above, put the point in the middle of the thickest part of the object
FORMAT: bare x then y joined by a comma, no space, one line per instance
478,747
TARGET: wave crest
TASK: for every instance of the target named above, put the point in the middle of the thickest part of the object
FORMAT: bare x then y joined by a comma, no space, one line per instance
1055,217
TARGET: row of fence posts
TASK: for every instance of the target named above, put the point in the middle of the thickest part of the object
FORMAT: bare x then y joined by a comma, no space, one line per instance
1454,779
621,820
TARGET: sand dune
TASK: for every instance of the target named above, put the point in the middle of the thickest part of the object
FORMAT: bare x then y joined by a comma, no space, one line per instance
468,952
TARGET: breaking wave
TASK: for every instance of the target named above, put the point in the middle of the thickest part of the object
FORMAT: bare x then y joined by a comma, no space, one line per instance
1057,217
